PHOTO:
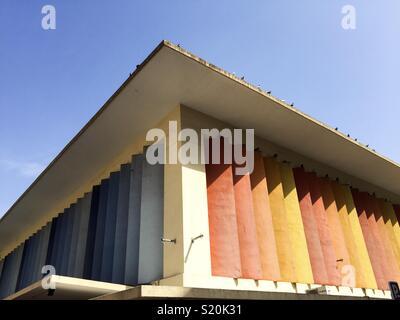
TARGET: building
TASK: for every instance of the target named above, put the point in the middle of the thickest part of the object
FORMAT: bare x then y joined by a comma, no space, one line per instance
319,212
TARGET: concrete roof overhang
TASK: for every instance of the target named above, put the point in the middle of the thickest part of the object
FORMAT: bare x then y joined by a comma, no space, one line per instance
67,288
168,77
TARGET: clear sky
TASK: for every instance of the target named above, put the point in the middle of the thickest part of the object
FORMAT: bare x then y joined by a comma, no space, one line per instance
53,81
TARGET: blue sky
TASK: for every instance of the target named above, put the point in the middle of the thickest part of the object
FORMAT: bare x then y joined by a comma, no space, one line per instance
52,82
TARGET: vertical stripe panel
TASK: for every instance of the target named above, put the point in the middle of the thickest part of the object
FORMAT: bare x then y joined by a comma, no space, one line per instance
100,228
384,236
76,217
263,220
21,282
279,220
35,258
133,231
52,249
355,257
335,227
301,258
60,242
249,252
310,227
151,223
374,251
43,250
387,236
392,226
109,232
323,229
118,270
364,272
224,240
82,236
70,213
91,237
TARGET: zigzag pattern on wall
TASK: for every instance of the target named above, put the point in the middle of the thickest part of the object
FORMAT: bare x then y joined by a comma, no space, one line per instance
286,224
111,234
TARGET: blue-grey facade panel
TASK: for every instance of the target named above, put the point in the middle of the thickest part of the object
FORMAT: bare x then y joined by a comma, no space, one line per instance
51,249
112,234
12,264
109,232
82,235
23,270
151,223
44,243
76,216
118,269
35,258
133,230
59,245
91,236
100,228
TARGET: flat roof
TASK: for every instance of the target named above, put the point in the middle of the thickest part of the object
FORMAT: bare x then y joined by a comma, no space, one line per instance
170,76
